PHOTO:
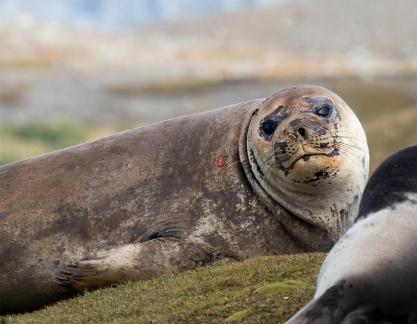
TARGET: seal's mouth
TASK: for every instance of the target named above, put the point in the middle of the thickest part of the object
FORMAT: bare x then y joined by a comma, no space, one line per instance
288,159
305,157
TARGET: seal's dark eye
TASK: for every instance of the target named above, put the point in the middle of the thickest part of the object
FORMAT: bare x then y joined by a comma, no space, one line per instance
324,110
268,127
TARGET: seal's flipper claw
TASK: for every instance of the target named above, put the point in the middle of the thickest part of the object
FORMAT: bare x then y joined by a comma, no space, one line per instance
73,275
62,281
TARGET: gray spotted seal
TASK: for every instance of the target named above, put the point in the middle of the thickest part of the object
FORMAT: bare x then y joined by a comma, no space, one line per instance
273,176
370,275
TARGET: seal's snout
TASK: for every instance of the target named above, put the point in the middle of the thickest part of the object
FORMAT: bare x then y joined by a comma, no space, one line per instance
300,139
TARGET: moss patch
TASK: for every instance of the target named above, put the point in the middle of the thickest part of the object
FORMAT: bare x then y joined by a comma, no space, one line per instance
240,315
279,288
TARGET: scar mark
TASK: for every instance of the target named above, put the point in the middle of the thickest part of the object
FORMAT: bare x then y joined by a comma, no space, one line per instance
221,161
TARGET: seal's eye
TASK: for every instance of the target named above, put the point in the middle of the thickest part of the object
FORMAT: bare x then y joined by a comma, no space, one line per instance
268,127
324,110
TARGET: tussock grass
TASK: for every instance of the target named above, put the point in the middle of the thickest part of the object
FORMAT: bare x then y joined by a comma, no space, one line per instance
261,290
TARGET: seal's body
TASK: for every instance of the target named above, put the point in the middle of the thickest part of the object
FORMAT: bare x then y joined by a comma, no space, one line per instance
370,275
181,193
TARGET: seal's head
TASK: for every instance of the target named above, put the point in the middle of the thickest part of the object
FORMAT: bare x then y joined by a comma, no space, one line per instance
308,151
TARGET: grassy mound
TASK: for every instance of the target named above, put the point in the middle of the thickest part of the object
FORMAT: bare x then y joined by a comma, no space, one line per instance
261,290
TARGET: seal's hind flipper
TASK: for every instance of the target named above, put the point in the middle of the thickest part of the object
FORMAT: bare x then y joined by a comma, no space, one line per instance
132,262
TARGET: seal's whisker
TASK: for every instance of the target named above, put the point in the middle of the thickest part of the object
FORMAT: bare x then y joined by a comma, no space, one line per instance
340,135
346,154
271,150
340,131
269,170
347,151
269,166
350,145
349,137
343,139
268,158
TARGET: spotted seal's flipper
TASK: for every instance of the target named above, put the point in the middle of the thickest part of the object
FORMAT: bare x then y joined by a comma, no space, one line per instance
132,262
329,308
339,305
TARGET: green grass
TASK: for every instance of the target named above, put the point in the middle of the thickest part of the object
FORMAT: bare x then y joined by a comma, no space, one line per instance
54,136
261,290
26,140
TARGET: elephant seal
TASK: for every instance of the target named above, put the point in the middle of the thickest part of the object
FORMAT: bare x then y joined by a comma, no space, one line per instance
274,176
370,275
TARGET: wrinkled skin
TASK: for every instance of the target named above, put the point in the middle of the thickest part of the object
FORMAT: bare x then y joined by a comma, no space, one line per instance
172,196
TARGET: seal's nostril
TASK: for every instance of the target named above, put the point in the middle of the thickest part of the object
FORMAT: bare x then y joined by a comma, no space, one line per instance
302,131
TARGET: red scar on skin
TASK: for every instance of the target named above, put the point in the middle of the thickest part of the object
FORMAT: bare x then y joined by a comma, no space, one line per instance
221,161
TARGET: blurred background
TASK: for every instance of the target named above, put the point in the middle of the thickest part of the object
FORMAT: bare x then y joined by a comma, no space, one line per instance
75,70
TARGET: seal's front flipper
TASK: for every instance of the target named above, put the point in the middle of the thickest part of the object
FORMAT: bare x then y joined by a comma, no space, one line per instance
132,262
339,305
